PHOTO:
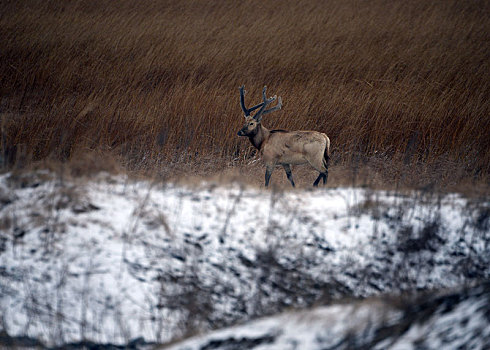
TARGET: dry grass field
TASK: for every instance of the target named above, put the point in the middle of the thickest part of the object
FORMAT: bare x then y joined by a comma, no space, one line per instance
153,85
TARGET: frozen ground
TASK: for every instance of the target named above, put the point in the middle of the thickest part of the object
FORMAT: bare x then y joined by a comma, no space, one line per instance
112,260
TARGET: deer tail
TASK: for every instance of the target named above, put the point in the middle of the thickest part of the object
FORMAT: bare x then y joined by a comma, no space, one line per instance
326,151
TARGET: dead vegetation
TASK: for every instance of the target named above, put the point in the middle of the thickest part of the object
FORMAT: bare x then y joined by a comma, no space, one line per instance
154,84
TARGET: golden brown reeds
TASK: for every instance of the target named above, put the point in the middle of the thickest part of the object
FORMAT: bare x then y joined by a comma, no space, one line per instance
156,82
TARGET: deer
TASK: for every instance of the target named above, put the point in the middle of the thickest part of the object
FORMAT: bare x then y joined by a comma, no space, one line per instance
282,147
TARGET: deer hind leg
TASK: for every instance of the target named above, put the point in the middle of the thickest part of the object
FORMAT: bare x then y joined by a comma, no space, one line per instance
326,160
321,176
289,174
321,166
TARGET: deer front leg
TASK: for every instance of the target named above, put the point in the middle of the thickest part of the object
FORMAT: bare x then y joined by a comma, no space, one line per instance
268,172
289,174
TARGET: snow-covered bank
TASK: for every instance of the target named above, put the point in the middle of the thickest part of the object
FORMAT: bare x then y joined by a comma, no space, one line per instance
457,320
113,260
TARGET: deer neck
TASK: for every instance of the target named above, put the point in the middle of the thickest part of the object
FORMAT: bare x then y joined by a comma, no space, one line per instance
259,137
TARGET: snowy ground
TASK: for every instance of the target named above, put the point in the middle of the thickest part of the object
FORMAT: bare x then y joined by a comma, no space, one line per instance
457,320
112,260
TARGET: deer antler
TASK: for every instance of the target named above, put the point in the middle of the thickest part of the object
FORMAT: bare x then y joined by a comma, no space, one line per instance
262,111
276,108
246,110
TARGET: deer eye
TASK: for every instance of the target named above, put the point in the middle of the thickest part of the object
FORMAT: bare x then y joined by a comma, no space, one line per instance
251,124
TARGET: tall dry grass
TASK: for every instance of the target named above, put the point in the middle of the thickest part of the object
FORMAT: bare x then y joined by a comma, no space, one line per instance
156,82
